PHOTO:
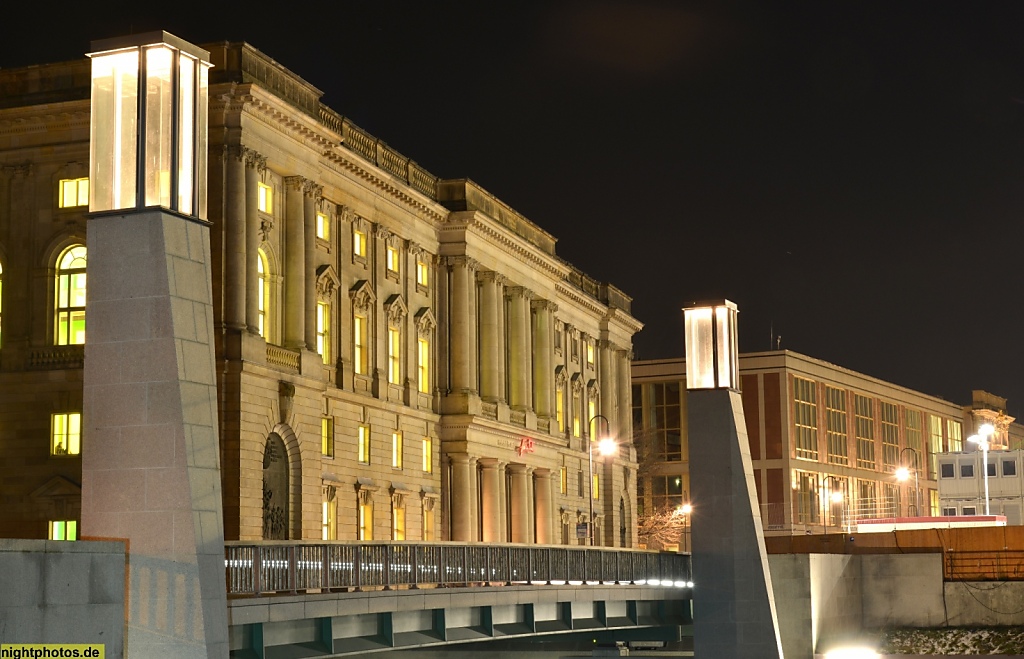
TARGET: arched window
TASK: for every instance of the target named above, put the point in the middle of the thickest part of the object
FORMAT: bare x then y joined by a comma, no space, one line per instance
263,292
70,297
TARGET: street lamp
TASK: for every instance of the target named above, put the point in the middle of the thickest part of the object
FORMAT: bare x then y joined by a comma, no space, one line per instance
834,495
982,439
903,474
605,446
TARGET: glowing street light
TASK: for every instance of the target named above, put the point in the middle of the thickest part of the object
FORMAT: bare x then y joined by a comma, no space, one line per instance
982,439
903,475
605,446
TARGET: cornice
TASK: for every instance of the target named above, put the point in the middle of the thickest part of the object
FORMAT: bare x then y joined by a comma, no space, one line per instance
44,118
484,227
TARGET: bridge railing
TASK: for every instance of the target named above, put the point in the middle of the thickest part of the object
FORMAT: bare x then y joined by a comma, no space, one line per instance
289,567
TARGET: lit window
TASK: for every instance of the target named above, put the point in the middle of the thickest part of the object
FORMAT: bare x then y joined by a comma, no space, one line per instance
394,353
366,521
595,487
70,329
359,357
396,450
563,480
65,433
864,418
391,259
262,291
560,407
422,274
590,352
398,523
364,444
359,243
954,434
890,414
265,198
328,521
805,409
64,530
428,455
428,525
835,426
327,436
323,331
323,226
592,412
73,192
423,366
576,414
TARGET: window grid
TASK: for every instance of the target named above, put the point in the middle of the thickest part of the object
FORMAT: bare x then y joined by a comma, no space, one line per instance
890,415
954,432
667,422
327,436
806,498
864,415
396,450
835,417
394,355
867,499
666,492
323,331
934,443
71,296
66,433
805,412
914,428
73,192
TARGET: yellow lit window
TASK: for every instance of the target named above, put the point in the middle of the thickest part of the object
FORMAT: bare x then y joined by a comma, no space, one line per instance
396,450
575,414
423,366
364,444
428,525
392,259
398,523
359,243
596,487
394,353
66,433
560,407
73,192
563,480
359,344
590,352
366,521
328,521
327,436
265,198
70,297
422,273
262,291
323,331
323,226
64,530
428,455
592,411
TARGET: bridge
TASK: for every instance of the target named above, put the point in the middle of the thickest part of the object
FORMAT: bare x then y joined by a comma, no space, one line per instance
291,599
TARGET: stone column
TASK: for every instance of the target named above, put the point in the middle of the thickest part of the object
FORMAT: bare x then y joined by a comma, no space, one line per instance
543,353
519,498
254,163
492,352
503,348
310,193
462,325
623,394
295,264
544,506
606,379
235,210
461,498
519,348
474,506
503,508
491,500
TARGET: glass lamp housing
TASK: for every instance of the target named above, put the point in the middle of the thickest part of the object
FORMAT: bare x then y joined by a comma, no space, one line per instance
148,145
711,345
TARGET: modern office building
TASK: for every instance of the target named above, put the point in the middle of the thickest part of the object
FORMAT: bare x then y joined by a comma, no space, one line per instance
827,443
400,356
962,483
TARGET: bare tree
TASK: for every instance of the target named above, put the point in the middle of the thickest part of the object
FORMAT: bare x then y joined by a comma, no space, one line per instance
658,527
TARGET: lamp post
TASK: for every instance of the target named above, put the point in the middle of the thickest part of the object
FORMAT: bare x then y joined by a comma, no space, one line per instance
903,474
605,446
985,432
832,496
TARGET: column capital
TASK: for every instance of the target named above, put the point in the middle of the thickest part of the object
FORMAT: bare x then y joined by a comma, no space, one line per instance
462,260
312,189
382,232
544,305
295,183
461,458
487,276
254,159
413,247
24,169
518,292
489,463
517,468
542,472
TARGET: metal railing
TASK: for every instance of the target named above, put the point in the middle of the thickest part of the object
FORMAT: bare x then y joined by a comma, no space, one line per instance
290,567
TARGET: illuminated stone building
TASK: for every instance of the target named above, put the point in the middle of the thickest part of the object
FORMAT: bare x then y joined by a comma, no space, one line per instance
826,442
400,356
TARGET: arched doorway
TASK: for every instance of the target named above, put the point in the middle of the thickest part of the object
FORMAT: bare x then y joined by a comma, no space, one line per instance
275,489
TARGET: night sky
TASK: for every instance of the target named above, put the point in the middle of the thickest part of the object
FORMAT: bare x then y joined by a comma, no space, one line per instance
851,174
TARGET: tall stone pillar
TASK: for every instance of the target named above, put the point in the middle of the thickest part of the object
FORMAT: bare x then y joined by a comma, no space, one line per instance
235,210
503,498
295,264
492,352
461,498
519,363
623,394
519,498
310,194
491,501
474,500
503,349
462,324
254,163
606,378
543,354
544,506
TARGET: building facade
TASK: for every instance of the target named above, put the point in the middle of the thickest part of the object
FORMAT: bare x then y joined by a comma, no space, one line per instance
400,357
826,443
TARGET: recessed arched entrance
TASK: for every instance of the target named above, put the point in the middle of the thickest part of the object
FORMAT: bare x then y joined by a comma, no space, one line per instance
275,489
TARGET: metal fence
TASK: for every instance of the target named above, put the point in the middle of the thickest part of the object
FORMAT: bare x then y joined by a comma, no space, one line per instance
289,567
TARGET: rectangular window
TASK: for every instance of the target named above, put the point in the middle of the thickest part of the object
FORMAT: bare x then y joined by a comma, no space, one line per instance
558,337
359,344
328,519
890,436
914,427
966,471
394,355
934,443
64,530
954,433
946,469
364,444
864,415
579,483
592,416
323,331
563,480
428,525
398,523
806,492
327,436
423,366
666,425
867,499
933,502
835,417
560,407
595,487
949,512
366,521
73,192
991,468
265,198
970,510
391,258
359,243
422,273
65,433
323,226
428,455
590,352
1009,467
576,413
805,418
575,347
396,450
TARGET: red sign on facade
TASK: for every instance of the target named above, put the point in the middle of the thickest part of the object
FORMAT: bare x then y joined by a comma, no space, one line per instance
525,446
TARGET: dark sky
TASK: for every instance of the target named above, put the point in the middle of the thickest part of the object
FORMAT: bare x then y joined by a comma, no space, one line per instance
851,174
